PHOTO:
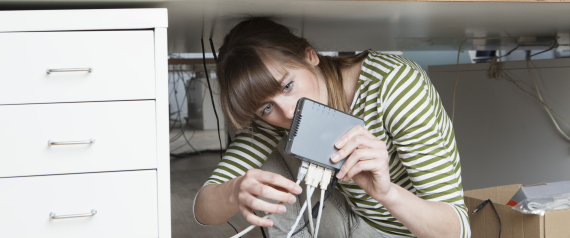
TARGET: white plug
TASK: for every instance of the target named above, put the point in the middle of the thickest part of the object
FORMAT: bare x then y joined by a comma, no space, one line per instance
310,174
318,176
326,179
302,171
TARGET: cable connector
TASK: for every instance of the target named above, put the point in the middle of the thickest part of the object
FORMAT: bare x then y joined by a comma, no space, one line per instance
310,174
302,171
481,206
318,176
326,179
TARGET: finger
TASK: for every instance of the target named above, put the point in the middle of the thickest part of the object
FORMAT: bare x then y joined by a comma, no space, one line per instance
248,214
356,142
276,180
361,166
258,204
357,130
354,158
272,193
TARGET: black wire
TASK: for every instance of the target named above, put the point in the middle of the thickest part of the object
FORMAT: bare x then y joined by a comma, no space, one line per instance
496,213
179,117
179,134
335,179
554,44
213,50
262,231
233,227
212,97
508,53
228,133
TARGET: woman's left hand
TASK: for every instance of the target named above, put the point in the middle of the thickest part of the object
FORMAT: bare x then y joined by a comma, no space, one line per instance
367,164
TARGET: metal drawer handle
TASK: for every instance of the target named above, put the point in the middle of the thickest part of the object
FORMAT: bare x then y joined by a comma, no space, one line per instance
49,71
54,216
90,141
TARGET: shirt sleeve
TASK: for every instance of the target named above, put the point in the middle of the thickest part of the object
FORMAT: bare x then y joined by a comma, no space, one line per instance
424,139
248,150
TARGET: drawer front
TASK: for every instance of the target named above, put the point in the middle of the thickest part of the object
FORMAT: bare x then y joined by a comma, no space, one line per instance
125,204
121,63
123,136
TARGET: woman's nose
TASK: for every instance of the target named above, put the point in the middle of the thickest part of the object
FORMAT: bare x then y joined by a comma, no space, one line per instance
288,109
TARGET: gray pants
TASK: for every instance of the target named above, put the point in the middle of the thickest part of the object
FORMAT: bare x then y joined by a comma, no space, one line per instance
338,220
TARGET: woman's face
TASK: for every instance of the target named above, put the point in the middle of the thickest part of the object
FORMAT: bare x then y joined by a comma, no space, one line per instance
296,83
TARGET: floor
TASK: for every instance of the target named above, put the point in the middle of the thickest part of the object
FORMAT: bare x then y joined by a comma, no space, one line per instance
187,175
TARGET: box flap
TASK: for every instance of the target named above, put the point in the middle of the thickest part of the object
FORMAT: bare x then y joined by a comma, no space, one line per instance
499,195
536,184
514,224
557,223
533,225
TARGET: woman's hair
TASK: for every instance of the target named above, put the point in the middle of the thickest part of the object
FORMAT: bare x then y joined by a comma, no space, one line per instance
248,51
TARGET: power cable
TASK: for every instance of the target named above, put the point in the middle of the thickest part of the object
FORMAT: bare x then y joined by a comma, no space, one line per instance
182,128
315,208
496,213
211,96
457,71
495,71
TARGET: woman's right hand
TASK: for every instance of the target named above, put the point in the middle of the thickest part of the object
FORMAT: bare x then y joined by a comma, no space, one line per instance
265,184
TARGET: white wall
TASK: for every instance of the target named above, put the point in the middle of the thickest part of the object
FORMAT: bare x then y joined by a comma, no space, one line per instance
504,135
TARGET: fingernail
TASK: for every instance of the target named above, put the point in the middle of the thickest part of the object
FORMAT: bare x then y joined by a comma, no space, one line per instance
298,189
339,175
334,158
292,199
338,143
268,223
282,210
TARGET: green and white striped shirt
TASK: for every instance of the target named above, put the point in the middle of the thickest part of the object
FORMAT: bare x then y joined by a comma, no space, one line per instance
401,107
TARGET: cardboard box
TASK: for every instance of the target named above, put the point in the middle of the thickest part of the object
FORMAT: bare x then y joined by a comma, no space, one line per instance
484,223
540,190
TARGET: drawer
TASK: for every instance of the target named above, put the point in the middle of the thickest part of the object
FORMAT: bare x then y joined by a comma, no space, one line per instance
125,204
121,62
123,135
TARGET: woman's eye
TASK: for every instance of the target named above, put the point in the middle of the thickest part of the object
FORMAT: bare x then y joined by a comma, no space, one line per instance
288,87
266,109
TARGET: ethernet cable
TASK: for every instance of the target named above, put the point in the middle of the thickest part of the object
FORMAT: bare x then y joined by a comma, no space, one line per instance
334,181
314,176
300,175
300,214
312,180
325,180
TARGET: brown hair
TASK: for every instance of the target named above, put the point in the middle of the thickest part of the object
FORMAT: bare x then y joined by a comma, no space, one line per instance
254,45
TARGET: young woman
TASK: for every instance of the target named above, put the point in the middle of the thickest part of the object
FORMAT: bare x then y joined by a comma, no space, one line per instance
402,176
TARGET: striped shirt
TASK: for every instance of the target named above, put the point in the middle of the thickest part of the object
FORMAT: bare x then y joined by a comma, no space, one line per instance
401,107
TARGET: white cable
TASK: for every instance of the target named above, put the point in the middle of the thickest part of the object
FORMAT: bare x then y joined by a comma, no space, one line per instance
311,227
325,180
543,103
248,229
457,70
320,213
314,180
300,175
300,215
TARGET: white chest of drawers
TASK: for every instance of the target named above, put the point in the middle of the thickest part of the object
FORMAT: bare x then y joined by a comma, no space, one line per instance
84,146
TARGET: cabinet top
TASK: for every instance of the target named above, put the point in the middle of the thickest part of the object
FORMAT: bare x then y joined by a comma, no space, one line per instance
64,20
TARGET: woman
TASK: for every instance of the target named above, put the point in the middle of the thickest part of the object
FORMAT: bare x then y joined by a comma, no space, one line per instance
402,176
